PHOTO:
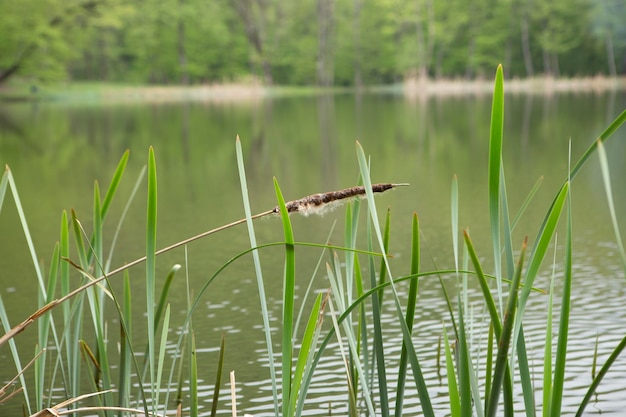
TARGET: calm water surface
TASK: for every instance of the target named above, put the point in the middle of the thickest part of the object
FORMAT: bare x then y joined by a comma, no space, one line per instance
57,150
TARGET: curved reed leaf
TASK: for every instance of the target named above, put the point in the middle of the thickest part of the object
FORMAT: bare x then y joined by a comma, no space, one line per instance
598,379
608,132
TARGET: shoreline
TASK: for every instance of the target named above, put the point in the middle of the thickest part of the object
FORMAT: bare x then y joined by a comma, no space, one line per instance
411,89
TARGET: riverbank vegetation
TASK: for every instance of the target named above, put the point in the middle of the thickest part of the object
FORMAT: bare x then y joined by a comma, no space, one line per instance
310,42
121,367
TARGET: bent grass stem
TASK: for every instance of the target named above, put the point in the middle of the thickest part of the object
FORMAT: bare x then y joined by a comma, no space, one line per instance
306,205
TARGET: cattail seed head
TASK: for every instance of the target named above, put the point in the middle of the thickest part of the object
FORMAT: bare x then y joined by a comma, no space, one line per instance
323,202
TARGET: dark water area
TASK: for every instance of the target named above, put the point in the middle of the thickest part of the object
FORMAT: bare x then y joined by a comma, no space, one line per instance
57,150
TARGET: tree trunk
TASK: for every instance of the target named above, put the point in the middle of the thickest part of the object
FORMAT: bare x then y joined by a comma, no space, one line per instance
356,28
325,61
610,53
528,59
254,33
547,67
182,53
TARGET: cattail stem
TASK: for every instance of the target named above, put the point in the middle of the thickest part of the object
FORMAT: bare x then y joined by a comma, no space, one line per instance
306,205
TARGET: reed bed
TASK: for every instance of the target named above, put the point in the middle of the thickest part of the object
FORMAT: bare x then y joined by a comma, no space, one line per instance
76,348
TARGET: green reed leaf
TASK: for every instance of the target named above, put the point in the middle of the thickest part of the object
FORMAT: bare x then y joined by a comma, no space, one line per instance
454,210
307,346
289,285
591,391
547,351
257,268
124,384
504,340
420,382
563,335
218,377
193,379
113,186
453,389
606,177
465,386
151,229
495,161
410,312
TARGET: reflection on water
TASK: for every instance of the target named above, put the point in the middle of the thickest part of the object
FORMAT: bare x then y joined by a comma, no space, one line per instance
308,144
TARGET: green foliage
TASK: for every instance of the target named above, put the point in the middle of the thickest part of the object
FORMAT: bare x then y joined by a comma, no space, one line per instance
374,41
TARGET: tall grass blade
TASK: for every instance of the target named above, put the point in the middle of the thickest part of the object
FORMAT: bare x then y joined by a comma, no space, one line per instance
120,222
4,319
113,186
606,177
378,341
547,351
386,235
538,253
193,378
420,382
289,285
465,387
489,364
352,344
3,185
151,225
218,377
257,268
162,350
44,327
454,210
527,200
124,384
608,132
598,379
495,160
526,379
504,340
307,346
561,348
453,388
410,312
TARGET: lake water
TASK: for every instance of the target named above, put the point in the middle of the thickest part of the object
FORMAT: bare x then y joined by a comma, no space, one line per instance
57,150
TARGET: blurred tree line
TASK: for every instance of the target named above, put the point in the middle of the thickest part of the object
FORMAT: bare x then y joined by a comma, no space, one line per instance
312,42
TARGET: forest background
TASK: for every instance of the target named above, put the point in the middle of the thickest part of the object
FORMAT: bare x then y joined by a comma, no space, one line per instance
307,42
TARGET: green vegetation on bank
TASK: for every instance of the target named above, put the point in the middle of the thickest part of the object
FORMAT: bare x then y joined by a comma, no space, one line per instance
308,42
135,368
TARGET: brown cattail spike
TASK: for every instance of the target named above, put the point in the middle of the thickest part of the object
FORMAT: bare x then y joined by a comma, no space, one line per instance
318,203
